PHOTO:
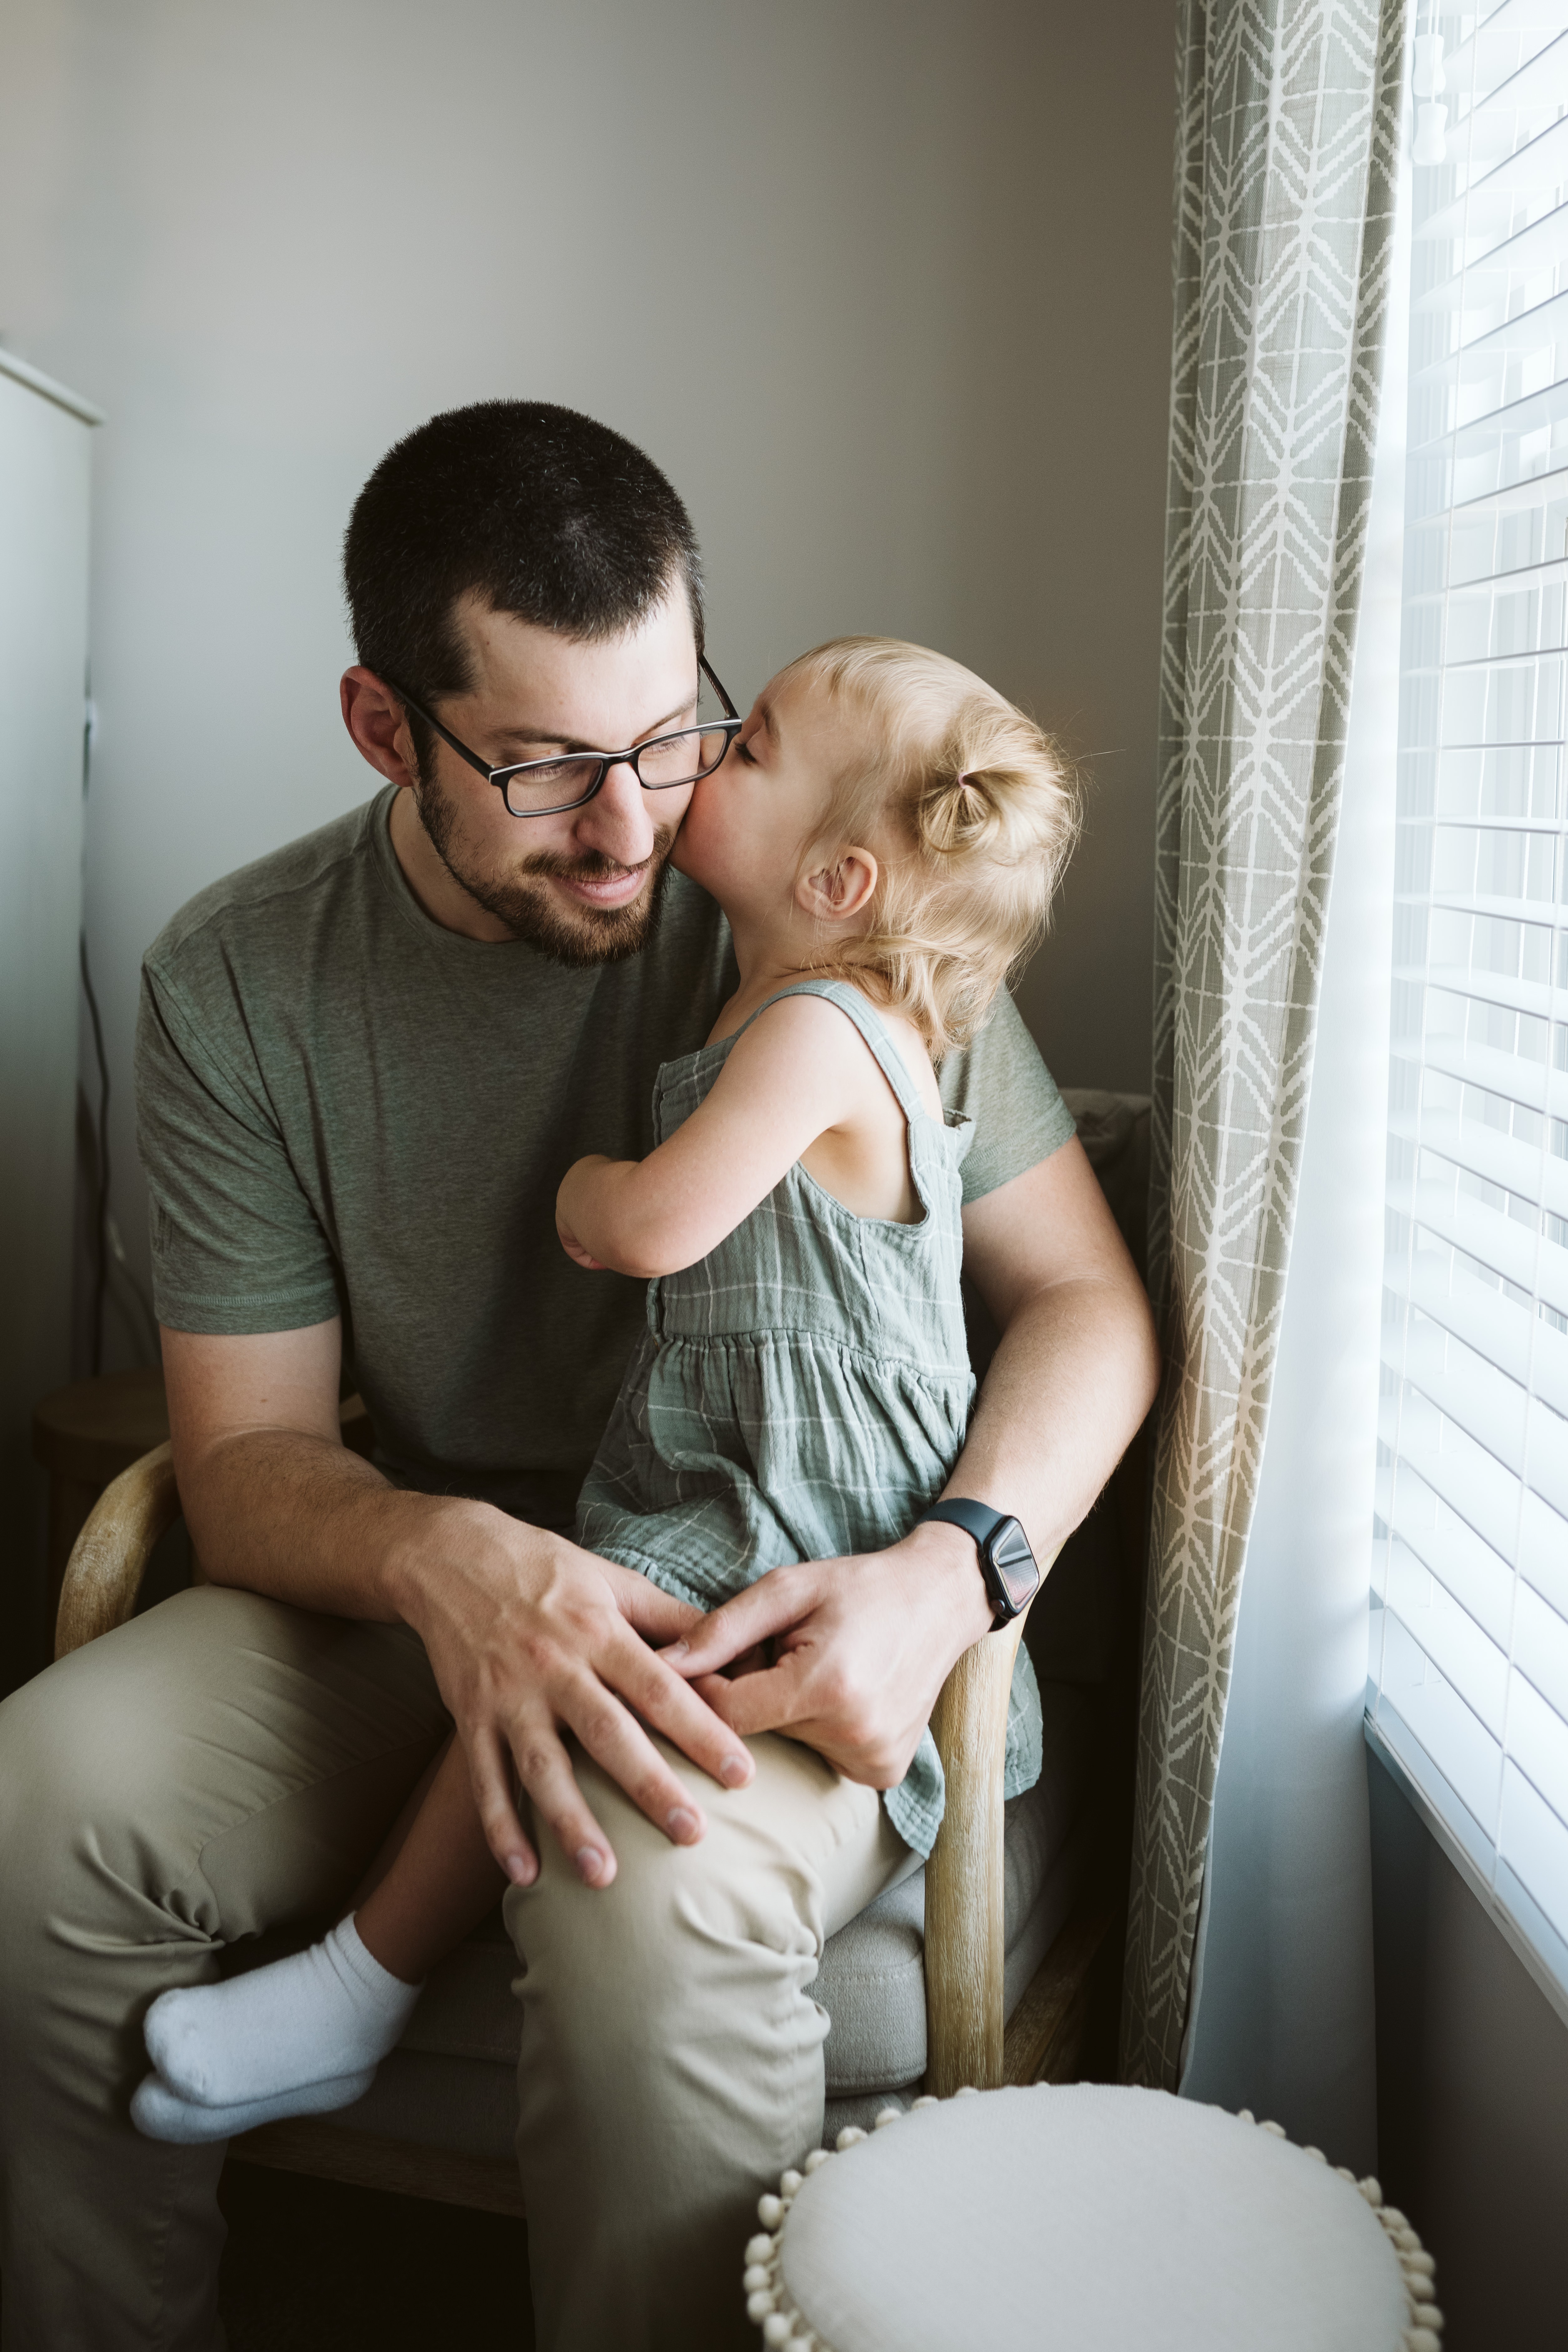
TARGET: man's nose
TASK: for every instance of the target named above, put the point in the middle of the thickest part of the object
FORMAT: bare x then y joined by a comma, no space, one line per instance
617,822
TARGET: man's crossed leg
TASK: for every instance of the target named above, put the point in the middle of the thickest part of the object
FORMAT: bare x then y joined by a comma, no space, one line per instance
225,1765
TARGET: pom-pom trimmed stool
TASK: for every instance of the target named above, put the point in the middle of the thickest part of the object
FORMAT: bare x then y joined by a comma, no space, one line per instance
1084,2219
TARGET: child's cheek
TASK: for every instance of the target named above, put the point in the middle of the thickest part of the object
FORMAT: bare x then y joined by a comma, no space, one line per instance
699,834
687,854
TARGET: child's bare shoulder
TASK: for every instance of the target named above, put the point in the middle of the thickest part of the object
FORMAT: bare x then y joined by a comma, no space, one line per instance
815,1030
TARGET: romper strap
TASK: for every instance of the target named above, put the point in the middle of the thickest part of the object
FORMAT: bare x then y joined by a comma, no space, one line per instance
849,1001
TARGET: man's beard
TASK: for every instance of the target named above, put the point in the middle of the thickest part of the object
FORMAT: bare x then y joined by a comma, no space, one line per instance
578,935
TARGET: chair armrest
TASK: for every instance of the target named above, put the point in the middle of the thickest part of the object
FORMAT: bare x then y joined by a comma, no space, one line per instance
964,1940
108,1559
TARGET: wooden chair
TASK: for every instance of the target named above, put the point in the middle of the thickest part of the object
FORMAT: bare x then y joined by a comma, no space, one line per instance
85,1435
969,2041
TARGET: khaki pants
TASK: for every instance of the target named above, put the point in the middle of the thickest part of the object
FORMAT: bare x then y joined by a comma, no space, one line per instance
225,1765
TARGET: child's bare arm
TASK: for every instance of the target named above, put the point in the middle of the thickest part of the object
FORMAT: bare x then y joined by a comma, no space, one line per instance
799,1071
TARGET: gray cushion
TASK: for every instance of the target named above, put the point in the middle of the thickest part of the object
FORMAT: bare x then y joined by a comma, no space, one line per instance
451,2083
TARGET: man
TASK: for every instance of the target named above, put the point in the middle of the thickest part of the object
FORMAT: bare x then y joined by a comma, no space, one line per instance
364,1065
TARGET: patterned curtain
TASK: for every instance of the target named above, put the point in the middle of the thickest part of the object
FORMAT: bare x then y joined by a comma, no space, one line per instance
1287,138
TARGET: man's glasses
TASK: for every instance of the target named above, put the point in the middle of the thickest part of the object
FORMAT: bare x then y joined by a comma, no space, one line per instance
546,787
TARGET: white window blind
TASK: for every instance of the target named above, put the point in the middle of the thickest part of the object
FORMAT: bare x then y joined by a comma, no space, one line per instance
1468,1654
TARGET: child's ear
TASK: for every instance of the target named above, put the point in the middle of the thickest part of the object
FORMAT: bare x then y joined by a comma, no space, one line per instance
838,892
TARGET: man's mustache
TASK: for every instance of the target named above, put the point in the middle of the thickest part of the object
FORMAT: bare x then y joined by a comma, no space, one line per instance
596,866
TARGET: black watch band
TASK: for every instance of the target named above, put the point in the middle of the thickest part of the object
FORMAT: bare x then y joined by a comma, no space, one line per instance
1011,1571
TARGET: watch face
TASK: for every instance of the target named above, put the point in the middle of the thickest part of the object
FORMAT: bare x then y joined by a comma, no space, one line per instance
1013,1562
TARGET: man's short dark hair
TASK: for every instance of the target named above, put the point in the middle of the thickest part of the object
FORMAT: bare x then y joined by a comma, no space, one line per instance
541,512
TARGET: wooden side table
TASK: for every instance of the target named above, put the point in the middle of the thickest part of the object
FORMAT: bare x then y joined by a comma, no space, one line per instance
85,1435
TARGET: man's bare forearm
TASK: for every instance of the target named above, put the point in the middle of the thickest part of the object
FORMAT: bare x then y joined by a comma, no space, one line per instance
276,1504
303,1520
1071,1382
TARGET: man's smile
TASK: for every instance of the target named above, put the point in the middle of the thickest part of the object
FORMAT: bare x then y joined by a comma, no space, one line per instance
605,889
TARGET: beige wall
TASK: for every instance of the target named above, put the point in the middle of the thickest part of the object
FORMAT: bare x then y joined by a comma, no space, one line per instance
882,284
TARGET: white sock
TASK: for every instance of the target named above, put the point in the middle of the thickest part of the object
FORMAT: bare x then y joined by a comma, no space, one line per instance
159,2113
315,2017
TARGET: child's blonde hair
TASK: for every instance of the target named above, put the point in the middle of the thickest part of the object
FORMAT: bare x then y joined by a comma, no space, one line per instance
980,813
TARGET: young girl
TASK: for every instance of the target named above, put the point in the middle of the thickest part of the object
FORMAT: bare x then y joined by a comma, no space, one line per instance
885,837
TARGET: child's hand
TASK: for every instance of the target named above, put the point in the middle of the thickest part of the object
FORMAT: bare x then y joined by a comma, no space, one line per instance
576,1250
566,1216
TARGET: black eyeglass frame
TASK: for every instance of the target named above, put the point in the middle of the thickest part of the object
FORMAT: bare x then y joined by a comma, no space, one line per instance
729,727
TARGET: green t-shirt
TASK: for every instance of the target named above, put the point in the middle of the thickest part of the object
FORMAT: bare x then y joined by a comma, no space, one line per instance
344,1108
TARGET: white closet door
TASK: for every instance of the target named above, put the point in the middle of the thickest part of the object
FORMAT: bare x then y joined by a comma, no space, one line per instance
45,444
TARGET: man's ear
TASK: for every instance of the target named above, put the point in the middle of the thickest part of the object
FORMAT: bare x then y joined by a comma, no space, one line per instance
379,725
838,892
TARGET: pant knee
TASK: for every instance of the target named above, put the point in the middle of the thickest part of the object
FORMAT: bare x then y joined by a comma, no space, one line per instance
688,1949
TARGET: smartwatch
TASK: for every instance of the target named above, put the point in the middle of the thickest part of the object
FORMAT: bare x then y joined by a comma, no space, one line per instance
1011,1571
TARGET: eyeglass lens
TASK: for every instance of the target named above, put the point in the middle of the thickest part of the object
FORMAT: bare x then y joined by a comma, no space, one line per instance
668,760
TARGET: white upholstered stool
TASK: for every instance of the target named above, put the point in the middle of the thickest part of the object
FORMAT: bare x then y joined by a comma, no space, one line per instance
1083,2218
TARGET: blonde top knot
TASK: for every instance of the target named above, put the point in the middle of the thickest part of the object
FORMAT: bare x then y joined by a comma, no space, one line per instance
972,813
957,815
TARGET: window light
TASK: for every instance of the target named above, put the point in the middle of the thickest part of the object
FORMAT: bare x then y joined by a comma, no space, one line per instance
1468,1690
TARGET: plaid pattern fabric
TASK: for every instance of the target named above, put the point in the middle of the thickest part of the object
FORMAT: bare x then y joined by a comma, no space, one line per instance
802,1392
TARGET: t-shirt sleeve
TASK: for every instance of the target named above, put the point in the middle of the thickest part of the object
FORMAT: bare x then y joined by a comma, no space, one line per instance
999,1082
237,1247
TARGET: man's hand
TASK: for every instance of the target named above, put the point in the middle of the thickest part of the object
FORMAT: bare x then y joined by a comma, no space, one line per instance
861,1648
530,1638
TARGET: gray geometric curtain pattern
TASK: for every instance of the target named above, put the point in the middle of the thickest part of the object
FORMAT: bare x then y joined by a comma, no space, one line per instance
1288,129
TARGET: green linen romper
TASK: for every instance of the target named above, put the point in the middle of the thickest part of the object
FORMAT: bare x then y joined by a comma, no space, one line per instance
802,1392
